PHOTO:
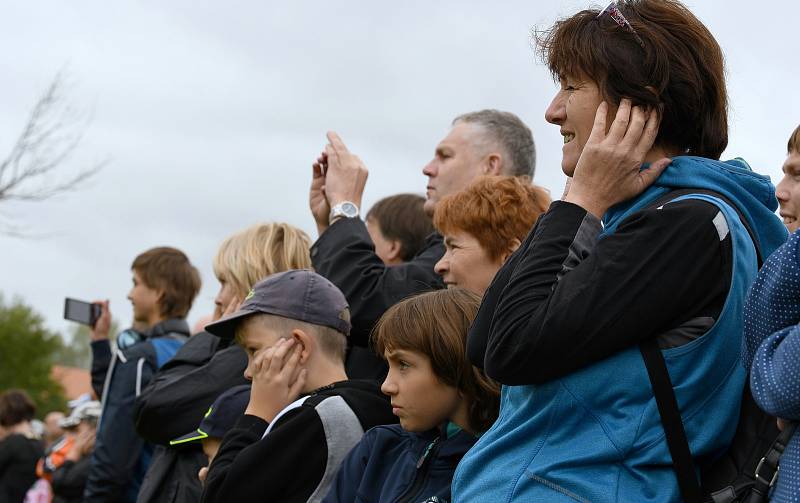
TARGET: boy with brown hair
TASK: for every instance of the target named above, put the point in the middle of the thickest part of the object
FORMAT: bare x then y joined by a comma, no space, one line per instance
165,284
304,415
398,227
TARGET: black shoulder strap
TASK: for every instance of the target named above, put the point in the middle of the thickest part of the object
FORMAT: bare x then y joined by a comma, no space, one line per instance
674,432
767,470
667,404
672,195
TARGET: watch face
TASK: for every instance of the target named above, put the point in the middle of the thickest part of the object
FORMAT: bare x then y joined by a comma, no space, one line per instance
350,210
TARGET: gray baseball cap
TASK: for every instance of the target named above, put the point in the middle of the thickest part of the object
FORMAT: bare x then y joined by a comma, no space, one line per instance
298,294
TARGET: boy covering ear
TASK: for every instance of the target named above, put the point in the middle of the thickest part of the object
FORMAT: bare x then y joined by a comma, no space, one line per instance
304,415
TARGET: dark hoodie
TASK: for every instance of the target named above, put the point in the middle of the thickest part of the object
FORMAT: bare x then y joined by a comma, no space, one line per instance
394,465
296,457
121,457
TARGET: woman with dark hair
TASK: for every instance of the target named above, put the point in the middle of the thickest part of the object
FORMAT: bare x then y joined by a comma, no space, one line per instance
569,321
19,448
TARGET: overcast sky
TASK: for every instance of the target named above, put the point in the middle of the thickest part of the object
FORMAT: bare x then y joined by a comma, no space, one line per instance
212,112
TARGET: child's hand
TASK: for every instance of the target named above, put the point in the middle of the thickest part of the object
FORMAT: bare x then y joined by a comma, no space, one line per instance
277,379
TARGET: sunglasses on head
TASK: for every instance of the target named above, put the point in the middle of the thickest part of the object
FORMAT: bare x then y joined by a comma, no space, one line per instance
613,11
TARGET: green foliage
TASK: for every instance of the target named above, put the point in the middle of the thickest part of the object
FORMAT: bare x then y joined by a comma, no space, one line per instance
75,351
27,350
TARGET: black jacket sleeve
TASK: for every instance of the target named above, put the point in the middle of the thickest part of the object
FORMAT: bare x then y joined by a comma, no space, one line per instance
101,358
69,479
344,254
285,466
182,390
118,447
568,299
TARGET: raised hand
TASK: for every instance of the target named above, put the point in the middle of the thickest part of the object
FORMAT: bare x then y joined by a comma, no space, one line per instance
608,171
103,324
346,176
278,379
318,202
232,306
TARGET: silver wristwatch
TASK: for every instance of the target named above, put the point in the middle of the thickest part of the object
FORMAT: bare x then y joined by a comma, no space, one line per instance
345,209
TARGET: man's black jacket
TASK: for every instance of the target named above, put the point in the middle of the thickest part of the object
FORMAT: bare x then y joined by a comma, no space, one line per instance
345,254
174,403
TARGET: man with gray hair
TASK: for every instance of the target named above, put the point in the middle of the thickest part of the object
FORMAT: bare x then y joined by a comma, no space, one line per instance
487,142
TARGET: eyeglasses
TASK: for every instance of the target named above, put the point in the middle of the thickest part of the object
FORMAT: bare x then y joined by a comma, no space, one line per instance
618,18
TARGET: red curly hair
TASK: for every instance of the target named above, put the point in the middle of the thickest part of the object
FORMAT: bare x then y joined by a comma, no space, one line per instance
496,210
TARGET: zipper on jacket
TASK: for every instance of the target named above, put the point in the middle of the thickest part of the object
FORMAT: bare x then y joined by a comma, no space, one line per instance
422,473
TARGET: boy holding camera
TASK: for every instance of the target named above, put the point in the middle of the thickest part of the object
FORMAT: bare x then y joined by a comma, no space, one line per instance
165,284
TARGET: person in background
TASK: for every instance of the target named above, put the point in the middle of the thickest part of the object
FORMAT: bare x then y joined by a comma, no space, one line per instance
69,478
442,401
52,430
483,225
771,347
19,448
398,227
220,417
54,456
165,285
788,189
486,142
181,391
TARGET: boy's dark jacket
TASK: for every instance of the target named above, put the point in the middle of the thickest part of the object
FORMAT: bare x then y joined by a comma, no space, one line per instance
298,458
393,465
121,457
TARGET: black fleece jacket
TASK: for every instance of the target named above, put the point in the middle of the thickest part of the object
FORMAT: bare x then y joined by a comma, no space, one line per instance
568,298
299,456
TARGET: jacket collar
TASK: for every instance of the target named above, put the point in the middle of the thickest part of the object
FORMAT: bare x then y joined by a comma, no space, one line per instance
172,326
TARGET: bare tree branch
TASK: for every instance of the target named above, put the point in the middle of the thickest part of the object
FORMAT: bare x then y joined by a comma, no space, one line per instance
49,138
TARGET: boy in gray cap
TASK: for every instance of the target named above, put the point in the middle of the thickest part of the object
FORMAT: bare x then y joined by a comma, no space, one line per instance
304,415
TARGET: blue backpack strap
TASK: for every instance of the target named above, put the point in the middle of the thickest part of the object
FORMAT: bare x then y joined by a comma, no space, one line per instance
166,347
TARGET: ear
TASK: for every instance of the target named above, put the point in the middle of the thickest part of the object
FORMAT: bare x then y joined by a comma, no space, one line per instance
515,244
160,299
394,251
493,165
306,343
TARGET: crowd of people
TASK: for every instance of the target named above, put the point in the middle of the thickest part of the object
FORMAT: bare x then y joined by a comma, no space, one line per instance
635,340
